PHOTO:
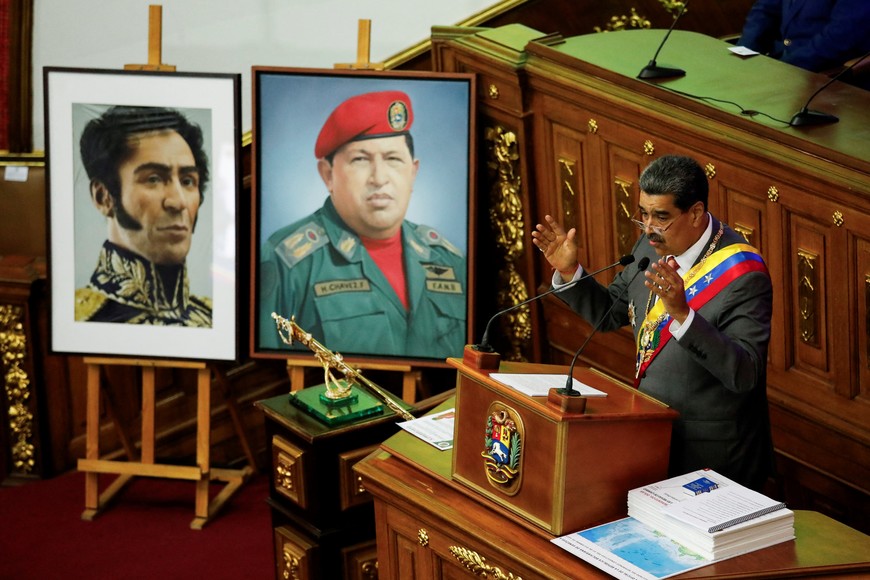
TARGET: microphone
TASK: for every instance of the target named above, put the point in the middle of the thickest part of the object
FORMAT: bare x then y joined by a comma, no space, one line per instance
805,117
484,345
652,70
569,385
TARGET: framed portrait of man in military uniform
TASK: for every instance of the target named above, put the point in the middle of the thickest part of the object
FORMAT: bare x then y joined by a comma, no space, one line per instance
362,216
143,195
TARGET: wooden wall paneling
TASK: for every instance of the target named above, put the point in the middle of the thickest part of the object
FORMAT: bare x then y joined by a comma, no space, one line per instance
505,207
748,205
802,198
860,288
808,250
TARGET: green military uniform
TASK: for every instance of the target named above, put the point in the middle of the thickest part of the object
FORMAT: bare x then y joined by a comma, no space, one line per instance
127,288
318,271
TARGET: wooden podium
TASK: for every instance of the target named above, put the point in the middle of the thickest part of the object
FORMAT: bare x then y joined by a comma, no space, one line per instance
572,469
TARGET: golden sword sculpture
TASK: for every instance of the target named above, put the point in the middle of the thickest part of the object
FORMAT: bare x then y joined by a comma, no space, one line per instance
288,330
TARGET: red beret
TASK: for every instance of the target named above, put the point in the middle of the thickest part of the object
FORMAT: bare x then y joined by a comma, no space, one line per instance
366,116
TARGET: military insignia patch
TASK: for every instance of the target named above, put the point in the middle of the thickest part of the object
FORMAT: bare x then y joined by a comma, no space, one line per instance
397,116
503,447
439,272
301,243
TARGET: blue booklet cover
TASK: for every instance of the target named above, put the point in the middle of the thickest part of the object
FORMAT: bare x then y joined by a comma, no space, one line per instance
630,550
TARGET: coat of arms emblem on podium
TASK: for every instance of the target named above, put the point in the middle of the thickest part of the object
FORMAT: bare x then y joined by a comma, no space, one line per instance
503,447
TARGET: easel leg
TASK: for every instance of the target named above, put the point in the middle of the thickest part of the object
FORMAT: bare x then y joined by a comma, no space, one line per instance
297,377
148,402
409,386
92,441
203,444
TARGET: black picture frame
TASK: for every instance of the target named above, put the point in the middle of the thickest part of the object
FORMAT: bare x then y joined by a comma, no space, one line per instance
77,230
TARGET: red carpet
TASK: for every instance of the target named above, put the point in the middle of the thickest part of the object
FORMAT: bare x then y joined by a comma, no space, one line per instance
145,532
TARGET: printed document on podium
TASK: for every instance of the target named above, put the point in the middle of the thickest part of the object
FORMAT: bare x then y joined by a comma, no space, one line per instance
536,385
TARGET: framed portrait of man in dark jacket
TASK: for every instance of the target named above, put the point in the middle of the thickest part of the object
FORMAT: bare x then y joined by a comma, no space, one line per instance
143,190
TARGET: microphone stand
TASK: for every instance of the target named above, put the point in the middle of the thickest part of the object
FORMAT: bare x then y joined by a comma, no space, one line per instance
807,117
654,71
483,356
567,398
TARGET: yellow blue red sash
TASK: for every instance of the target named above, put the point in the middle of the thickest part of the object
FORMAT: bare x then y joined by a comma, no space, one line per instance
701,284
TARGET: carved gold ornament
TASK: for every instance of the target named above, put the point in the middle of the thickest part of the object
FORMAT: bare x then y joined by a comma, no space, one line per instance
476,564
773,193
808,297
13,348
624,22
508,223
710,170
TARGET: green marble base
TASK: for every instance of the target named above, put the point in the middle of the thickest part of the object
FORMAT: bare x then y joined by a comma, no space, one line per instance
358,404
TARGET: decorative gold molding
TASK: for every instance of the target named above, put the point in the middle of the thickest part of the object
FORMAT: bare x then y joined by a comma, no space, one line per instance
592,126
13,349
838,219
568,190
508,222
369,569
352,492
674,7
745,231
808,297
492,91
290,570
423,537
288,463
295,561
649,148
710,170
625,229
773,193
617,23
476,564
867,316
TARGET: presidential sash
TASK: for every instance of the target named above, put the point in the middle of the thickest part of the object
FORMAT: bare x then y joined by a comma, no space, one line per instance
702,283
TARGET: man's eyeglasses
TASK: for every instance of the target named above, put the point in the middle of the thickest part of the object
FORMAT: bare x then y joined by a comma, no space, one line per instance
657,229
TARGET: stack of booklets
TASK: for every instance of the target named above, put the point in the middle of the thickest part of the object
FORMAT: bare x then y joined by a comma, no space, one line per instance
711,514
680,524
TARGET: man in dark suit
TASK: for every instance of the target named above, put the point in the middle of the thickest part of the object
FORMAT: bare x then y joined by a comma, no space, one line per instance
817,35
700,315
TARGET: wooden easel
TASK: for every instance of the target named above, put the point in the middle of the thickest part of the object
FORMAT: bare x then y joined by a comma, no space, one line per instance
202,473
363,46
155,43
296,369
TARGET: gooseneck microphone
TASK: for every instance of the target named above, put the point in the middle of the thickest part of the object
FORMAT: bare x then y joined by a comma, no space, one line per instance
569,385
652,70
484,345
805,117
